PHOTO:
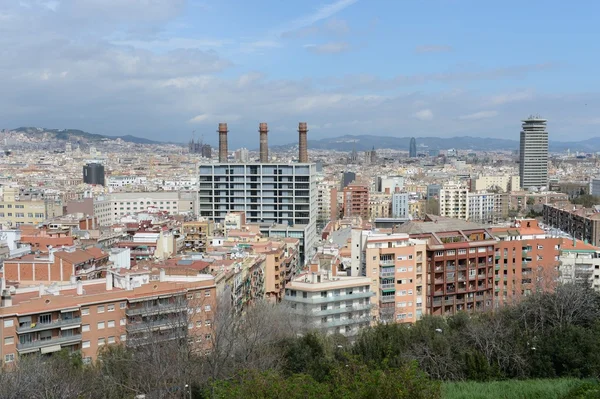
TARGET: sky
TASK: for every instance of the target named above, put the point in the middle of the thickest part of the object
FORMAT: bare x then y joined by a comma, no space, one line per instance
171,70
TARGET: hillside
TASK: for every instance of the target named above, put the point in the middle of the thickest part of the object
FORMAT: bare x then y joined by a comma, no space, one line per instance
366,142
77,135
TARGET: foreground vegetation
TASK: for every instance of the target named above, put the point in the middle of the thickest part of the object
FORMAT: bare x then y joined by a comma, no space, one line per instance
507,354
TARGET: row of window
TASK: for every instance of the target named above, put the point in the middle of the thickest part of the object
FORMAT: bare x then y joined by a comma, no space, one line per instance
16,206
102,341
22,215
100,308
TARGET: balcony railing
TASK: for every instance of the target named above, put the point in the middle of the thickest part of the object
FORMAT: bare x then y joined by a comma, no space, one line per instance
156,325
387,286
33,327
34,345
335,298
347,309
342,322
152,310
388,299
387,262
391,273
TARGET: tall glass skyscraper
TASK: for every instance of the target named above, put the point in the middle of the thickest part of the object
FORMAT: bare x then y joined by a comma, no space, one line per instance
533,156
412,151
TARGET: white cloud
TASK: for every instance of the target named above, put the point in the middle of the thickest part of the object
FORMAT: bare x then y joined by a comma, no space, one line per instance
505,98
432,49
424,115
328,48
478,115
323,12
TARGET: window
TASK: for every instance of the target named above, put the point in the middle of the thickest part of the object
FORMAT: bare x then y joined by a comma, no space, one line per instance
111,340
207,323
111,324
85,328
122,305
199,323
45,318
9,323
101,341
207,336
122,321
9,358
85,311
207,308
100,325
123,338
85,344
207,293
101,309
9,341
111,308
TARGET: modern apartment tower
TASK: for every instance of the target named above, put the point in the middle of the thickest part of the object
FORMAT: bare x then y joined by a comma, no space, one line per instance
533,166
281,197
412,152
93,173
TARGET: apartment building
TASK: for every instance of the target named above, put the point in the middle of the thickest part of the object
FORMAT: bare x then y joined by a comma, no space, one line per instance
581,223
196,235
460,264
533,153
85,316
281,198
526,261
27,206
109,209
454,202
356,201
333,304
481,207
523,199
400,205
395,265
504,182
579,263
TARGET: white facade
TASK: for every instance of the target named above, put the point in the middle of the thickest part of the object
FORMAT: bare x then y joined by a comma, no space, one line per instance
481,207
400,205
334,305
392,184
533,166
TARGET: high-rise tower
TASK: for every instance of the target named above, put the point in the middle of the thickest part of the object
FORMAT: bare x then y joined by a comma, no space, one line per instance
533,156
412,151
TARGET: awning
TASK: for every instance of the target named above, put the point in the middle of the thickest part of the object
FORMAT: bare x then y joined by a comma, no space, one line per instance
389,290
69,310
50,349
144,299
25,319
70,327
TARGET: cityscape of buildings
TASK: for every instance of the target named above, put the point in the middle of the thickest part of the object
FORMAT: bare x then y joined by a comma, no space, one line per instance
110,242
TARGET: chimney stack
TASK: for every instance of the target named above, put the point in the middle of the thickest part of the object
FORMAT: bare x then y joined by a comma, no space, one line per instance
264,145
42,290
302,144
109,281
79,287
223,142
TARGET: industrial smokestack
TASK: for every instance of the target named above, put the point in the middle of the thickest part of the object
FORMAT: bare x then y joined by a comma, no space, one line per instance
264,144
223,142
302,145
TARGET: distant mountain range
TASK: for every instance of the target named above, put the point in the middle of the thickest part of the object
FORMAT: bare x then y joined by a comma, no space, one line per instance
367,142
77,135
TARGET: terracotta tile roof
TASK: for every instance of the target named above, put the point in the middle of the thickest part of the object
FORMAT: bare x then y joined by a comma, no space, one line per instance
97,253
75,257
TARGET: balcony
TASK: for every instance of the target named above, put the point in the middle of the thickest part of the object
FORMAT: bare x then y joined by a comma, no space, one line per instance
154,310
39,344
154,325
336,298
387,262
33,327
347,309
387,273
344,322
387,299
387,286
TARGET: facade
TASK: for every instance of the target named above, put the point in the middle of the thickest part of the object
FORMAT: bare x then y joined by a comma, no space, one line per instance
196,235
412,151
595,187
395,264
281,198
111,208
356,201
390,184
533,155
481,207
580,223
23,206
85,316
93,173
332,304
433,191
526,261
454,201
580,264
506,183
400,206
347,178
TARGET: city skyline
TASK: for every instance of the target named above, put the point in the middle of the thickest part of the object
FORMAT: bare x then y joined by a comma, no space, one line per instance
173,67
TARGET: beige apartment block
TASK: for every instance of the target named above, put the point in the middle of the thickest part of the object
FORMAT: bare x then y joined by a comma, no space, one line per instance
20,206
394,263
